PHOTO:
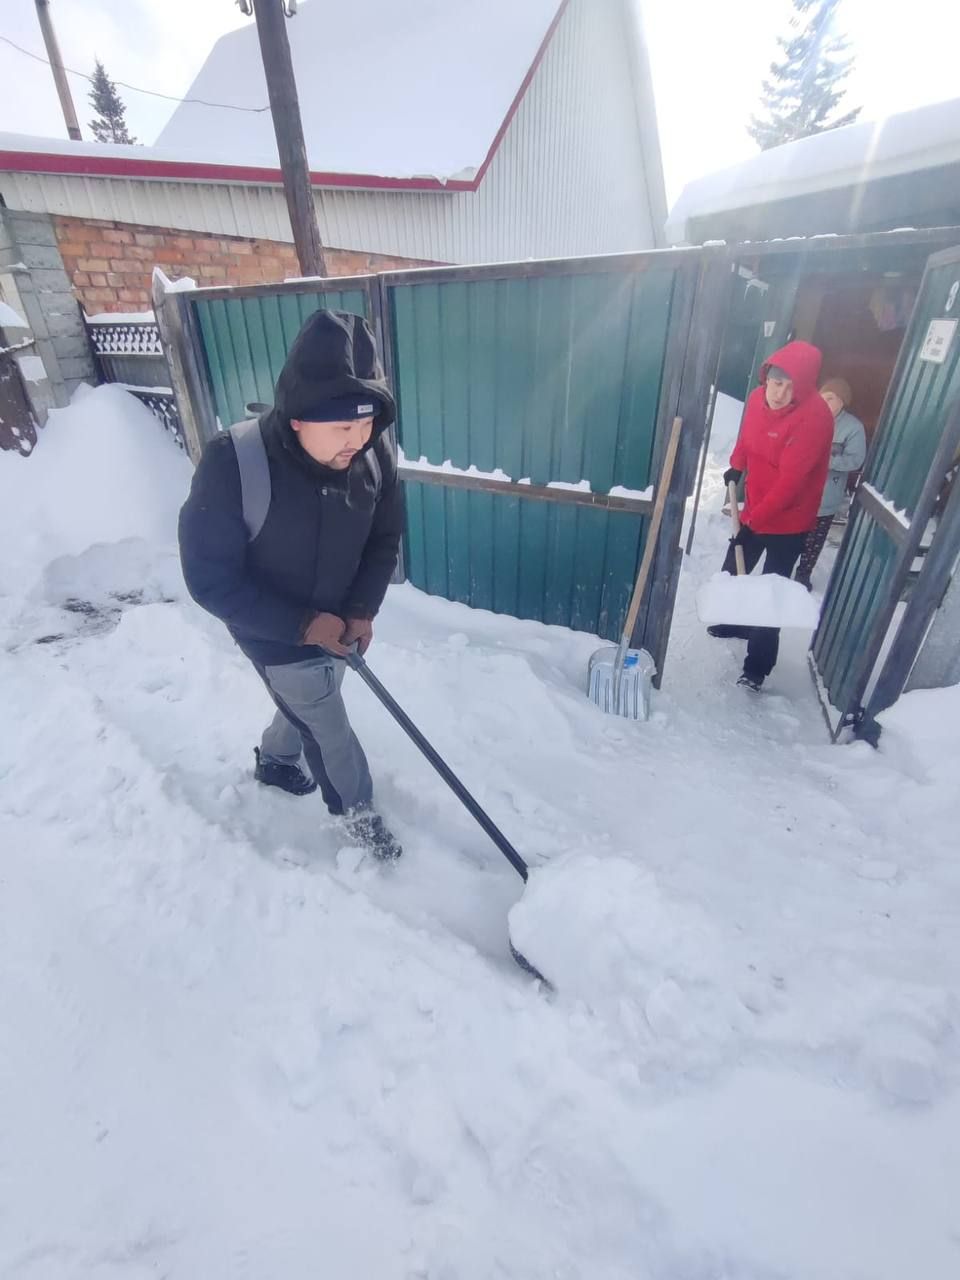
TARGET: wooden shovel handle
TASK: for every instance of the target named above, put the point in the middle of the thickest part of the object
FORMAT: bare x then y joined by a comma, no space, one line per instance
663,488
735,521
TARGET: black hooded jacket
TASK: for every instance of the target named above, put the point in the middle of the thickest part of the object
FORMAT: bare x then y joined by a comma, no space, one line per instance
331,538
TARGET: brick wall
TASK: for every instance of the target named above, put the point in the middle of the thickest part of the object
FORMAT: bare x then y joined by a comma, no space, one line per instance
110,263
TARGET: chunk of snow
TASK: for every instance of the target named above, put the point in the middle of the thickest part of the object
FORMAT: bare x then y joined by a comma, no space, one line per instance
32,368
899,513
122,317
9,318
603,931
636,495
757,600
448,469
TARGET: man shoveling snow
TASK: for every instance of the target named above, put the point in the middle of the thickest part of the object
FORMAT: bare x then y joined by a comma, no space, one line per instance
290,536
784,448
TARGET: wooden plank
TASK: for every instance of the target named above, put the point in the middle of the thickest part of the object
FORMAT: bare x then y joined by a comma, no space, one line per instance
883,516
535,492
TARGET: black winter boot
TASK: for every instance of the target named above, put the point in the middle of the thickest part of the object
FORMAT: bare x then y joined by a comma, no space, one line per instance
751,682
289,777
369,830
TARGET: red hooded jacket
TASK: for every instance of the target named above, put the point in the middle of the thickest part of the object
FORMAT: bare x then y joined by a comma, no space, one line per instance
785,452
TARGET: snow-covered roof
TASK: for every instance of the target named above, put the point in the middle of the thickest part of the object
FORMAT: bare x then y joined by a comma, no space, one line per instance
395,90
924,138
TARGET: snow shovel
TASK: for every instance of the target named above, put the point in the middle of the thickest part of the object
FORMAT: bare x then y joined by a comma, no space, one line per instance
619,678
357,664
745,600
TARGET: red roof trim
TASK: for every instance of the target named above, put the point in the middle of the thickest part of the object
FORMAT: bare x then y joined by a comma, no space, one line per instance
525,85
203,171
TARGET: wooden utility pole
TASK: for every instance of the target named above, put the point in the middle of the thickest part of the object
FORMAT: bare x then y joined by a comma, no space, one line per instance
59,75
288,127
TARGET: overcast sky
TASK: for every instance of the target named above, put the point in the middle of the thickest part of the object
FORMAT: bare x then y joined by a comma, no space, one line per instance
708,61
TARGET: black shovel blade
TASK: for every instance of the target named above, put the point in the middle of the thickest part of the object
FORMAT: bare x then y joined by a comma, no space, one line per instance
530,969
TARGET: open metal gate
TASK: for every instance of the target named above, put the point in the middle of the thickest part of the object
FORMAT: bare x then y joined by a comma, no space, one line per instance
916,439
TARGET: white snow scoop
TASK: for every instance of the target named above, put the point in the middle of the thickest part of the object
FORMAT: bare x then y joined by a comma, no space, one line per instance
620,679
745,600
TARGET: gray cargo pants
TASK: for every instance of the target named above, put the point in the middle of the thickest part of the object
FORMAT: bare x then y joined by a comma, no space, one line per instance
312,719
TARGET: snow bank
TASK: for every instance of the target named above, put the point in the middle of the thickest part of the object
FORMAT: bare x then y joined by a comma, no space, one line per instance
604,932
88,521
757,600
103,470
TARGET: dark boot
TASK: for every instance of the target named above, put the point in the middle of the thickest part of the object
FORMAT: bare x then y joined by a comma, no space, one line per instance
751,682
368,830
289,777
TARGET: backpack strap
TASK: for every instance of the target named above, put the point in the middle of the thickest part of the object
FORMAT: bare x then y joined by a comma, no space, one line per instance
255,488
373,462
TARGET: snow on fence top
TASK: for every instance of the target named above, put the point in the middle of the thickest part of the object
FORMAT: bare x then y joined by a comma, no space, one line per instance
920,139
396,90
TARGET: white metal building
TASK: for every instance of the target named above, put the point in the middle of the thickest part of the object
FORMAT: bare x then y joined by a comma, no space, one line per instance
449,132
875,175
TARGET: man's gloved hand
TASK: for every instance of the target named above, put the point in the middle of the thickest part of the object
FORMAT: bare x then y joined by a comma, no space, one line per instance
739,539
732,474
327,631
359,631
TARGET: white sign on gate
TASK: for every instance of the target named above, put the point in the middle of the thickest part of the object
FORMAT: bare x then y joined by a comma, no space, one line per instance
937,342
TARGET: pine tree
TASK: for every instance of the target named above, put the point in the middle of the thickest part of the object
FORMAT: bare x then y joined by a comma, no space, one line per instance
806,84
110,124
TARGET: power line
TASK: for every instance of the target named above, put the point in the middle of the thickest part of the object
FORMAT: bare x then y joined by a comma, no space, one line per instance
228,106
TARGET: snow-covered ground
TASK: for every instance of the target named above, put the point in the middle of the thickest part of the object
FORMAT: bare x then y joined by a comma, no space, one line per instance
229,1049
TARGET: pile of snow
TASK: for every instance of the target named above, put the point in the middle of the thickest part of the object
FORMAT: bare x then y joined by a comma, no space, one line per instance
90,517
228,1049
102,471
607,934
757,600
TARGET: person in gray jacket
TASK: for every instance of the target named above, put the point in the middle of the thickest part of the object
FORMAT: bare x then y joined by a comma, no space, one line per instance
848,454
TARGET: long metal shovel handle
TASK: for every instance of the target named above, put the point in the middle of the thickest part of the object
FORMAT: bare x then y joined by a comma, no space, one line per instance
356,663
735,521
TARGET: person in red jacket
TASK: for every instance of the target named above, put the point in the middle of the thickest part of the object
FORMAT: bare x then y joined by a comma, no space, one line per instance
784,448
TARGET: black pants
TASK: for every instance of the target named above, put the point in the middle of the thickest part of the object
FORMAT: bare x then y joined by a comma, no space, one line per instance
782,552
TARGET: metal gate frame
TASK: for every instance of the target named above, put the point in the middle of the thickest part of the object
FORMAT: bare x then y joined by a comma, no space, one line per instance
906,535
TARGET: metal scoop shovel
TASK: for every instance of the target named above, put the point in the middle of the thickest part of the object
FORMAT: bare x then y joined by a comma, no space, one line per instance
619,679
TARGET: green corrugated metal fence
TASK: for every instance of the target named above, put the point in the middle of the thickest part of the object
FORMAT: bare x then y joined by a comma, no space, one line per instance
549,379
246,340
554,374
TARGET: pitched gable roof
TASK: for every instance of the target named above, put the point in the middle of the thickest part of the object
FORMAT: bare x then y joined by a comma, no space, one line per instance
422,88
